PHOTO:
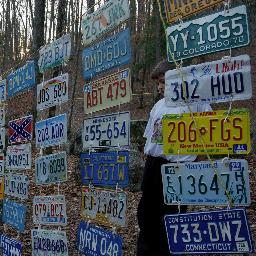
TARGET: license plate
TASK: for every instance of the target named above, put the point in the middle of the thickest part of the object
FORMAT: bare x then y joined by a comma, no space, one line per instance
108,92
16,185
50,210
112,52
54,54
106,207
2,164
104,242
2,139
1,208
51,168
10,246
18,157
20,130
105,168
107,131
51,131
217,81
14,214
206,183
182,9
1,190
224,231
2,90
21,79
213,33
52,92
49,242
2,116
212,133
105,18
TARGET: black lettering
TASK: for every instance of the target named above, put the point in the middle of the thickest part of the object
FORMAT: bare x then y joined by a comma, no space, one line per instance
217,85
241,89
226,90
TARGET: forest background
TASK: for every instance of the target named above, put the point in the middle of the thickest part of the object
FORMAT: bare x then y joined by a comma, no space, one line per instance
27,25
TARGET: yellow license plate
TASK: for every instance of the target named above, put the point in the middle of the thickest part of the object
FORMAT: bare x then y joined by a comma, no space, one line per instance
1,188
213,132
176,9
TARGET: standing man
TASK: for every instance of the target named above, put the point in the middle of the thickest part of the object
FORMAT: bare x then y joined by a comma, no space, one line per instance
152,240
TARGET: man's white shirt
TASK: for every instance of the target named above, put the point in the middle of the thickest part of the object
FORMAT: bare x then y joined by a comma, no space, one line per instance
153,131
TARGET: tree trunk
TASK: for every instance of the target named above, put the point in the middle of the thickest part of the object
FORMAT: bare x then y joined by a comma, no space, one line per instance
51,20
38,24
38,41
90,6
133,36
76,75
7,36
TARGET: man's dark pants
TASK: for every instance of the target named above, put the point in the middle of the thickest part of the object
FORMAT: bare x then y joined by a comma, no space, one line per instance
152,240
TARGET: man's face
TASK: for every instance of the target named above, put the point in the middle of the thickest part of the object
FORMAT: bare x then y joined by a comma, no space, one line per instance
160,85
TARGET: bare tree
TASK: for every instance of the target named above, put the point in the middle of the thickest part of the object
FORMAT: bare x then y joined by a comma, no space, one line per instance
38,24
7,50
38,40
51,19
90,6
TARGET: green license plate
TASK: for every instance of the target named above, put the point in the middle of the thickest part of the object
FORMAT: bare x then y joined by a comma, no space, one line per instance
213,33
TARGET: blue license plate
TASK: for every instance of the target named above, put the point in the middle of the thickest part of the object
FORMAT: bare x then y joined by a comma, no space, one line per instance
14,214
2,90
112,52
10,246
240,148
105,168
224,231
52,131
21,79
103,242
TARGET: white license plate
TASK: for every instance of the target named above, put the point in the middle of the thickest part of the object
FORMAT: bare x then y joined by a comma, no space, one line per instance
52,55
49,242
49,210
52,92
51,131
18,157
51,168
206,183
107,131
217,81
108,91
16,185
105,18
104,206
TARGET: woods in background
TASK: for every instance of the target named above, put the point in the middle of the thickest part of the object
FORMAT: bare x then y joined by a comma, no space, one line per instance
26,25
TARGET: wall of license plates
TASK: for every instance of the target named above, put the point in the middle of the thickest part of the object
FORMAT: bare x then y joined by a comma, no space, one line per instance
222,181
104,161
106,140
